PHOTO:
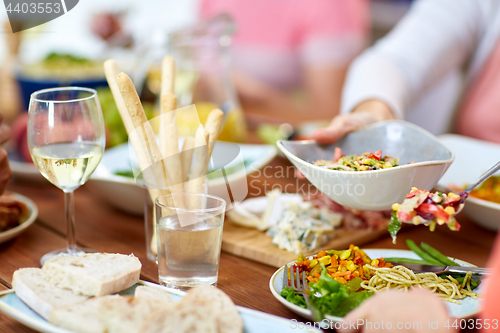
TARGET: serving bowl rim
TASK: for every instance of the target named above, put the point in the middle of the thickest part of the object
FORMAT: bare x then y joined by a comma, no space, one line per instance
369,172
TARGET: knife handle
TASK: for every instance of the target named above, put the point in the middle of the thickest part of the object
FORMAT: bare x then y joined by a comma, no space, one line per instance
461,269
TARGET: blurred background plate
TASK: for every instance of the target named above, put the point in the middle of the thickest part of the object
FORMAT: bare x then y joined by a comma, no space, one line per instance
23,225
123,193
472,158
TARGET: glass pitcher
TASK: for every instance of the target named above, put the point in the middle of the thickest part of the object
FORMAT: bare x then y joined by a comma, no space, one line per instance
203,76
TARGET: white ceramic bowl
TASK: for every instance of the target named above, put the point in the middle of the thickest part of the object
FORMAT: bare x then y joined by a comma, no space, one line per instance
473,157
376,189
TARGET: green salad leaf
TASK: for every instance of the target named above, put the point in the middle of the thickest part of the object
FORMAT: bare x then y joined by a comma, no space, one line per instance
336,299
293,297
394,226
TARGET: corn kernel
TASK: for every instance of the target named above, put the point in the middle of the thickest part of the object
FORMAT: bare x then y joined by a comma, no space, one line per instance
313,263
453,195
345,254
326,260
395,207
351,267
374,262
450,210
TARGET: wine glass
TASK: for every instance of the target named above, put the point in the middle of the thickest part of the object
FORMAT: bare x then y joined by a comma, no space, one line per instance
66,140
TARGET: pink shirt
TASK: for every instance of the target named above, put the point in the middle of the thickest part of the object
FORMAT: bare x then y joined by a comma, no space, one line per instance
275,38
480,114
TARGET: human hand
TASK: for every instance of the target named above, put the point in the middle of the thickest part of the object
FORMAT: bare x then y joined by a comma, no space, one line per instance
5,172
366,113
418,310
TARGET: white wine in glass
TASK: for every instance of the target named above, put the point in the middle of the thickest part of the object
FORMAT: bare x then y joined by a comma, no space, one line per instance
66,139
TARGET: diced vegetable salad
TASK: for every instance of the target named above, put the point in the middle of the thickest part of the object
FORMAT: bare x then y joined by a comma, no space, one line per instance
345,267
367,161
336,276
423,207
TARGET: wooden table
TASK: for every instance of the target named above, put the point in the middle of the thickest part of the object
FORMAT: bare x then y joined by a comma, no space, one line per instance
106,229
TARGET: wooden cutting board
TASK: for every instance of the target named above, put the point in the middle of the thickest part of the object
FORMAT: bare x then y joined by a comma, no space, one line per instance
257,246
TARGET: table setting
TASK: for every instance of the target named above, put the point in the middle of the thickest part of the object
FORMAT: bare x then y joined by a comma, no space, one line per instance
189,222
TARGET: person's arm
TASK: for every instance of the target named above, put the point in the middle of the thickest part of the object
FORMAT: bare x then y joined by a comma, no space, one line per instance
434,38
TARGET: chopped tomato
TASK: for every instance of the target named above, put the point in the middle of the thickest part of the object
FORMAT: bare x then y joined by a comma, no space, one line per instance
376,155
438,212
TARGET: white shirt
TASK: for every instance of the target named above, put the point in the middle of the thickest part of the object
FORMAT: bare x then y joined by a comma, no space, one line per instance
415,68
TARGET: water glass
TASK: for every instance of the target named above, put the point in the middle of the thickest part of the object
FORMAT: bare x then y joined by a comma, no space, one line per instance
188,239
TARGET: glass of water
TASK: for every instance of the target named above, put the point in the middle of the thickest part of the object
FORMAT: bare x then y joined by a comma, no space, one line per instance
188,239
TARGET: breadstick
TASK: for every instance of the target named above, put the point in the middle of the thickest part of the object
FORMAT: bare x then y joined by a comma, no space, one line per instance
213,125
198,173
169,144
112,71
167,76
187,157
142,138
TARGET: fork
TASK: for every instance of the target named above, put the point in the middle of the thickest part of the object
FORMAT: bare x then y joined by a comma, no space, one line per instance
301,286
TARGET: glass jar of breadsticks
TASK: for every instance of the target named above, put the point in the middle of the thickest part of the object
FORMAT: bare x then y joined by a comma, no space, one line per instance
159,163
203,76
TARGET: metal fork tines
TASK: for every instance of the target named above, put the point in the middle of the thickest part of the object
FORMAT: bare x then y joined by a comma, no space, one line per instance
300,285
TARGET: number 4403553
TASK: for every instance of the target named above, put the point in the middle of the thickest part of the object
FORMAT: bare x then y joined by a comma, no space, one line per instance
35,8
472,323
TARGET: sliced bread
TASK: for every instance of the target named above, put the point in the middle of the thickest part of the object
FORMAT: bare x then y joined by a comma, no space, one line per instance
153,293
203,309
40,295
93,274
128,314
182,318
81,317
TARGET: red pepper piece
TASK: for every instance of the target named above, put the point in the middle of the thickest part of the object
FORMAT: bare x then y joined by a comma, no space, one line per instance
376,155
438,212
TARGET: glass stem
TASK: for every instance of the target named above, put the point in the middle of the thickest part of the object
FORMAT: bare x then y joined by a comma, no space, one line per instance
69,206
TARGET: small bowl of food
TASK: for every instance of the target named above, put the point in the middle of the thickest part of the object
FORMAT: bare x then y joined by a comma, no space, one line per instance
473,157
58,70
374,167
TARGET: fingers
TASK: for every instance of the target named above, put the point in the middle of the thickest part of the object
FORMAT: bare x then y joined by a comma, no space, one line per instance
343,124
299,174
329,134
4,133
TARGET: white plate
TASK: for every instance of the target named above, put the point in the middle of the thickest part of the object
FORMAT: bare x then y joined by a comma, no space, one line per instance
123,193
33,213
466,308
253,321
472,158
